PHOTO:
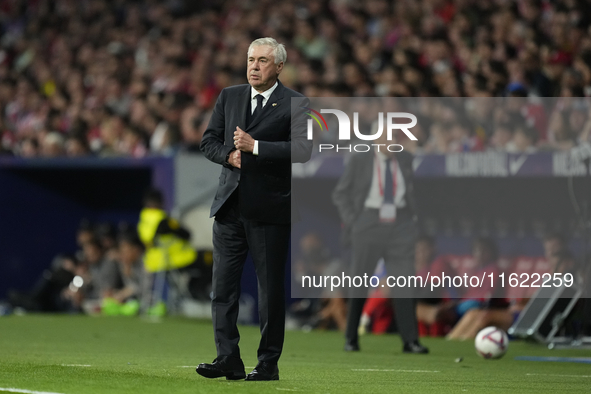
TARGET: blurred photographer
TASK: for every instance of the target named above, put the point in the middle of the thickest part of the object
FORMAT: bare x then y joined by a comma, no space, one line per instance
46,295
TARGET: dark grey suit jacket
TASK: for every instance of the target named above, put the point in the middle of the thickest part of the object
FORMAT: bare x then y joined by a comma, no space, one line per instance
265,180
353,187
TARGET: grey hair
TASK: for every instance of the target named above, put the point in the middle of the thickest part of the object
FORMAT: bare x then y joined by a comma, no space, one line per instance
279,52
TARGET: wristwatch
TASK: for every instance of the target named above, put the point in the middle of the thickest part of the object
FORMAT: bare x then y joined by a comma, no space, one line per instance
228,157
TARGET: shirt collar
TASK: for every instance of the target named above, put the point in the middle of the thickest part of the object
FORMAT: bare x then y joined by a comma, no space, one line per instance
266,94
382,156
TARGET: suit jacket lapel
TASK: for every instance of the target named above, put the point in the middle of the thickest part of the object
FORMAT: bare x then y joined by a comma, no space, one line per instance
243,106
272,104
366,173
405,166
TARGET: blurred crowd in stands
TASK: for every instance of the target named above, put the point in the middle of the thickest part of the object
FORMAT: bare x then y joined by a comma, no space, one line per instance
136,78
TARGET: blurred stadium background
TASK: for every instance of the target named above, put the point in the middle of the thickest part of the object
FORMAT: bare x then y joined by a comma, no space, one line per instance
102,101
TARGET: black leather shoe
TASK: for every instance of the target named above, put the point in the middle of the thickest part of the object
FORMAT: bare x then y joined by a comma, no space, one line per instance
414,347
264,371
230,367
352,347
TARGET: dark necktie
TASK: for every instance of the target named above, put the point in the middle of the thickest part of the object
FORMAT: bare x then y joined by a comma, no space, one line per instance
388,184
257,110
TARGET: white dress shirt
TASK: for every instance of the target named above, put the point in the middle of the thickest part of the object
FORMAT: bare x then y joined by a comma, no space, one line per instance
375,199
253,104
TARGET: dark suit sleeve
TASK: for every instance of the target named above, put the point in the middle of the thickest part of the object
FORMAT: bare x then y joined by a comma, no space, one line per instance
297,149
406,165
342,196
212,144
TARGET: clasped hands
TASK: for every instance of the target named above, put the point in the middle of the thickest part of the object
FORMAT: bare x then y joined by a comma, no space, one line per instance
243,143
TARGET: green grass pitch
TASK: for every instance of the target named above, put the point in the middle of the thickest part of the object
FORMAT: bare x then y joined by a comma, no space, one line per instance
78,354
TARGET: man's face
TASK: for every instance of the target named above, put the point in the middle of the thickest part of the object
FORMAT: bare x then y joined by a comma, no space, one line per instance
501,137
262,71
84,236
383,140
128,253
92,253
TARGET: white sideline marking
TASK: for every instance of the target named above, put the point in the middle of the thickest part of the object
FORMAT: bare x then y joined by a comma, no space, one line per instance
279,388
563,376
194,366
13,390
393,370
76,365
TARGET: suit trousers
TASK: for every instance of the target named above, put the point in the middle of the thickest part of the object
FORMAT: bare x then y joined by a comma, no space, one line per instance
395,243
268,244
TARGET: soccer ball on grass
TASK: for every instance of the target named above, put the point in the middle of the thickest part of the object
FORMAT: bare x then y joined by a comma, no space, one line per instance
491,342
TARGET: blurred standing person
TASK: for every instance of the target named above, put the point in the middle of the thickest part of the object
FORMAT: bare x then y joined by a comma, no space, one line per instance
251,135
168,249
375,199
166,241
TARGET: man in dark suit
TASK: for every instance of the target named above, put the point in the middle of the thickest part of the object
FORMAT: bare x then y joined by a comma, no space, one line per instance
375,199
251,134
